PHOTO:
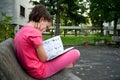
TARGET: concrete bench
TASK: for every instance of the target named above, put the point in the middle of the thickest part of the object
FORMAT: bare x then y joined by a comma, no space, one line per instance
10,69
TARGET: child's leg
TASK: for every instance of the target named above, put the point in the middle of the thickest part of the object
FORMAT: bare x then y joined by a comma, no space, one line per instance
61,62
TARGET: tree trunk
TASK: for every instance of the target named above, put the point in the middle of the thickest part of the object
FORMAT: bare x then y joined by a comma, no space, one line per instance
57,29
115,25
118,32
101,26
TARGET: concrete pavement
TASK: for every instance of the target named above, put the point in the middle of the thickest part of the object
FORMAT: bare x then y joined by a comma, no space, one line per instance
98,63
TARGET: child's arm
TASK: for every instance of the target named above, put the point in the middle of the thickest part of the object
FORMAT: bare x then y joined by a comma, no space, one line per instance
41,53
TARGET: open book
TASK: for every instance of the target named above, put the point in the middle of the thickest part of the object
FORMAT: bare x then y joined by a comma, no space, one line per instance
54,47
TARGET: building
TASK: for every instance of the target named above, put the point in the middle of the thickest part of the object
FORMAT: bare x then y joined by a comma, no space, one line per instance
109,27
18,9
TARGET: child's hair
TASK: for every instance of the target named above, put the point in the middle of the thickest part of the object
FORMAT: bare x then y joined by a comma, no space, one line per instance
38,12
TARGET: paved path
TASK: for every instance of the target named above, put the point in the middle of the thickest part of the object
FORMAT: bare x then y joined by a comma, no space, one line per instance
98,63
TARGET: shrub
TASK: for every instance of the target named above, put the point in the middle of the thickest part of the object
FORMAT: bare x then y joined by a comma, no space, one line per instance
6,29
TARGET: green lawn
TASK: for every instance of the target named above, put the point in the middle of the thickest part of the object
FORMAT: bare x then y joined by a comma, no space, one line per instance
79,40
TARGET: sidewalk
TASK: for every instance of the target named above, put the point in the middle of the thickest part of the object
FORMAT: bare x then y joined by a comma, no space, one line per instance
98,63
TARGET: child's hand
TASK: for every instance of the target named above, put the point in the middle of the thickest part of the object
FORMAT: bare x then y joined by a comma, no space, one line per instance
40,26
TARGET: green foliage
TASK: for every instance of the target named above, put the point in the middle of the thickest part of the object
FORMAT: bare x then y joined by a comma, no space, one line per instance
97,34
6,29
65,12
104,10
71,11
98,37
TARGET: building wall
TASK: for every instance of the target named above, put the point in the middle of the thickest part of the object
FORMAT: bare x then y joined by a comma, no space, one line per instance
111,25
20,19
12,8
7,7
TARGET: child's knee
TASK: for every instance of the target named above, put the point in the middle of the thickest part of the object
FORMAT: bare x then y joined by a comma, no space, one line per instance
76,52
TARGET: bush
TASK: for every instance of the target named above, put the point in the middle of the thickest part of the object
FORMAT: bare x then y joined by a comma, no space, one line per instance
6,29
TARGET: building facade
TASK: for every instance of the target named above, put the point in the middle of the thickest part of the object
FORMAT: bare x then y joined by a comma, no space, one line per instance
18,9
109,27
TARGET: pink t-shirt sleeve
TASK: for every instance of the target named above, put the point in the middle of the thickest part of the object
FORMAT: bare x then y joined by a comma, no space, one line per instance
36,40
34,36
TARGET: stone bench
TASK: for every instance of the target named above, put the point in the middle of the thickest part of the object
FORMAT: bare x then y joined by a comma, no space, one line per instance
10,68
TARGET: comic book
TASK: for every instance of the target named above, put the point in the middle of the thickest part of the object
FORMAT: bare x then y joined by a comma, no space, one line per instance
54,47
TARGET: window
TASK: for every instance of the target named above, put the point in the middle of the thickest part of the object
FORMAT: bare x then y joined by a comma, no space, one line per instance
22,11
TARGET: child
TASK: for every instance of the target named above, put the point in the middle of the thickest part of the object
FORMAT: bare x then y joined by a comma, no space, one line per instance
30,52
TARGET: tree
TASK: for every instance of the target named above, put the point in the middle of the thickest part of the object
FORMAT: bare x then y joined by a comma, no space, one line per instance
97,14
69,12
113,9
104,10
6,30
72,12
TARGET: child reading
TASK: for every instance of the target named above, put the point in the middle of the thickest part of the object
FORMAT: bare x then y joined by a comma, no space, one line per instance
29,46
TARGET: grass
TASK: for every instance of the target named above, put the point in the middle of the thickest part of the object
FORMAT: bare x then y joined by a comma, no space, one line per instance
74,40
77,40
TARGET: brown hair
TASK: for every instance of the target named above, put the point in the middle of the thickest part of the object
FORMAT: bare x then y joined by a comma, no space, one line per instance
38,12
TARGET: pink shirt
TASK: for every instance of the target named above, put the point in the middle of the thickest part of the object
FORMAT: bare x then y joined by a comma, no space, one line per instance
26,41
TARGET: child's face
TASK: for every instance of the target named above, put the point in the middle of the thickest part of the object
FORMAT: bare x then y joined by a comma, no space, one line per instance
43,25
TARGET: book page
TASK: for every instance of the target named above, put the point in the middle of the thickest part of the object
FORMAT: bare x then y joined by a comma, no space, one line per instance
53,46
